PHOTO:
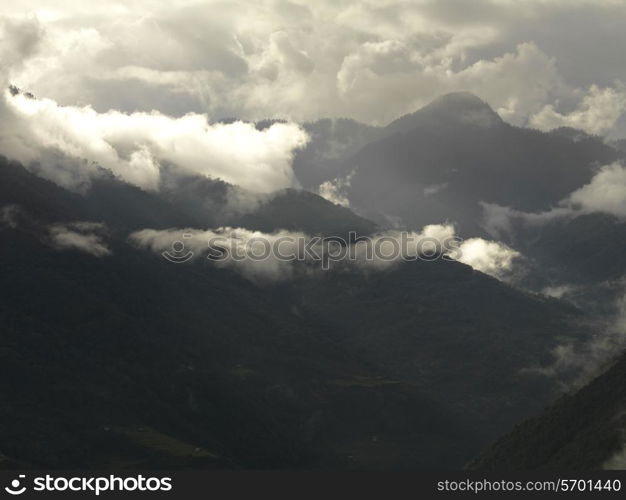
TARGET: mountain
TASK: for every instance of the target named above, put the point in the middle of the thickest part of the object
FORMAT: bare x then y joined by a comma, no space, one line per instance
582,431
442,169
123,359
331,141
128,360
192,201
297,210
213,203
581,251
463,338
111,356
442,161
449,110
455,157
108,200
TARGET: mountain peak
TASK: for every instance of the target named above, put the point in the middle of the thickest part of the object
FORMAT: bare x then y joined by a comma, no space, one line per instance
455,107
459,100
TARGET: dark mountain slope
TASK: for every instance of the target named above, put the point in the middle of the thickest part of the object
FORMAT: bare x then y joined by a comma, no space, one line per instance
191,202
449,109
95,350
107,200
580,432
441,170
43,199
304,211
463,337
438,163
332,140
583,250
340,369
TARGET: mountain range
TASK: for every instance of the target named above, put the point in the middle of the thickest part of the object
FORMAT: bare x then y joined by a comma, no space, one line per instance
112,356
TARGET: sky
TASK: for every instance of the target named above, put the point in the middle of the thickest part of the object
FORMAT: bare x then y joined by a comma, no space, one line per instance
543,63
133,85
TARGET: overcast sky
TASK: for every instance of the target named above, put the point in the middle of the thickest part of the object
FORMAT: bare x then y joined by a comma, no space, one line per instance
545,63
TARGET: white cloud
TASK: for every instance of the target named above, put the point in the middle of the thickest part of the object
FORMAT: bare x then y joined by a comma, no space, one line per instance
390,78
331,190
489,257
558,291
380,251
368,60
237,242
83,236
133,146
578,362
335,190
597,112
499,220
606,193
100,73
392,247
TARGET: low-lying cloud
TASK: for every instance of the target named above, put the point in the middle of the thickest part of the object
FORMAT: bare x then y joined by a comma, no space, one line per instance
335,190
82,236
263,257
577,362
9,215
183,245
605,194
597,112
499,221
134,146
489,257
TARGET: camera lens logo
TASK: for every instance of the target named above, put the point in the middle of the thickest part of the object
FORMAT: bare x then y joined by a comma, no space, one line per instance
15,489
177,255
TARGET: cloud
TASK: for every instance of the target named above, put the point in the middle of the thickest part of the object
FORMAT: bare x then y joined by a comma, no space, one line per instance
597,112
391,247
269,257
618,460
237,242
20,40
403,79
368,60
335,190
558,291
85,236
576,363
82,236
489,257
9,215
434,189
499,221
606,193
133,146
197,62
